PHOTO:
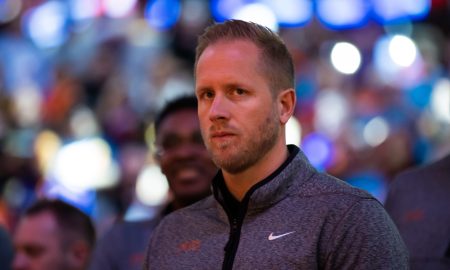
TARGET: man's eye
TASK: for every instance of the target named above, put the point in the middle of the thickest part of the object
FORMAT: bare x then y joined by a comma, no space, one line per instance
205,94
239,91
209,94
170,142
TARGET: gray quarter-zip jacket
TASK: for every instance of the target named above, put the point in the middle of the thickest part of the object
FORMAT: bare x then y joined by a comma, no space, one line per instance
297,218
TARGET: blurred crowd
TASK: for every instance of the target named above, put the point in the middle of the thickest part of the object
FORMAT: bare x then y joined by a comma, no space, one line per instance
106,78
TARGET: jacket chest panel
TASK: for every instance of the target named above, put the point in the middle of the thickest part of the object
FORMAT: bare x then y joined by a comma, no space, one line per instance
204,251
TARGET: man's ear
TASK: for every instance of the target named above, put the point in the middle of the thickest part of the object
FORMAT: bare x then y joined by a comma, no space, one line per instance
286,104
80,254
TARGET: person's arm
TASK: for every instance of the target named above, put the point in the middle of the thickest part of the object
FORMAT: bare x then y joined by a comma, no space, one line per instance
366,238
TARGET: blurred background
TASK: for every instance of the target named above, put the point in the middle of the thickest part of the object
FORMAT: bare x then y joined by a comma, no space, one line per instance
81,81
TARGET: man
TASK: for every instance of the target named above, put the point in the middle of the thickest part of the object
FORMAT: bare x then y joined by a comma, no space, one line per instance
270,208
418,202
53,235
189,169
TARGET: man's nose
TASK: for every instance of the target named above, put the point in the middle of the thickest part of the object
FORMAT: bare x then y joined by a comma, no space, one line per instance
219,108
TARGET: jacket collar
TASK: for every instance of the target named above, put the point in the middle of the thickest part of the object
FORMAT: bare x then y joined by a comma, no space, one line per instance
296,169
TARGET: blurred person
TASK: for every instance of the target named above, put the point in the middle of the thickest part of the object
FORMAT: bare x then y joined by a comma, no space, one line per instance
270,208
114,202
6,249
418,202
53,235
188,168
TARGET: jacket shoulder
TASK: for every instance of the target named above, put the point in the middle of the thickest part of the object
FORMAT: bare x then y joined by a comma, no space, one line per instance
191,211
325,184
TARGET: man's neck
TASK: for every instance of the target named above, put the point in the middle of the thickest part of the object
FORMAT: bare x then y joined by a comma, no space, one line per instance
238,184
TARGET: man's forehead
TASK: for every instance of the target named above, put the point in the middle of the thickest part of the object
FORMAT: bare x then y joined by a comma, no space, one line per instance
180,120
38,225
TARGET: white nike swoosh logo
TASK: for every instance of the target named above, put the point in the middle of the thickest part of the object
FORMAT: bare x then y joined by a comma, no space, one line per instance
273,237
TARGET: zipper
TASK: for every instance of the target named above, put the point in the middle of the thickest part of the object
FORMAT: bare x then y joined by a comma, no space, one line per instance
233,243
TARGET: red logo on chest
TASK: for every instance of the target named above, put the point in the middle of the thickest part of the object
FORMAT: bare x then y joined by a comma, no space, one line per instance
414,215
192,245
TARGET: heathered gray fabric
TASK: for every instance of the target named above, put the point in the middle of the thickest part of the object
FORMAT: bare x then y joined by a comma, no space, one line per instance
419,202
334,225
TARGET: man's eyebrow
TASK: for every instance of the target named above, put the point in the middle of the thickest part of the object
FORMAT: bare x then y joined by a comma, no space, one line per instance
203,88
231,85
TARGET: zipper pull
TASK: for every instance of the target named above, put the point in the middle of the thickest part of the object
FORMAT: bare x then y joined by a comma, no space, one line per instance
234,224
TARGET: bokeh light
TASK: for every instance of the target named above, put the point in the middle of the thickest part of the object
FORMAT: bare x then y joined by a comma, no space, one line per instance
402,50
331,111
118,9
257,13
84,9
376,131
151,186
83,123
224,9
46,146
397,61
81,198
293,131
319,150
162,14
339,14
345,57
85,164
27,105
387,11
47,24
370,181
440,100
290,13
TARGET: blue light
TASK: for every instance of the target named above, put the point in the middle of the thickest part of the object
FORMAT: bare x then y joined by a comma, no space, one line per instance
84,9
46,24
370,181
389,11
162,14
422,149
419,95
319,150
291,13
341,14
222,10
83,199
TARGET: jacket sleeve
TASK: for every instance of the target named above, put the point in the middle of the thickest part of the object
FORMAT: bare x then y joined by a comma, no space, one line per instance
366,238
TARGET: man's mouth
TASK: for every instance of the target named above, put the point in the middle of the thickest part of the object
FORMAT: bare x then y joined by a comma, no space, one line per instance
188,173
221,134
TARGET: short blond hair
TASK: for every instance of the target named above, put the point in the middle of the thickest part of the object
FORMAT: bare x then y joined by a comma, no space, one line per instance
277,64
